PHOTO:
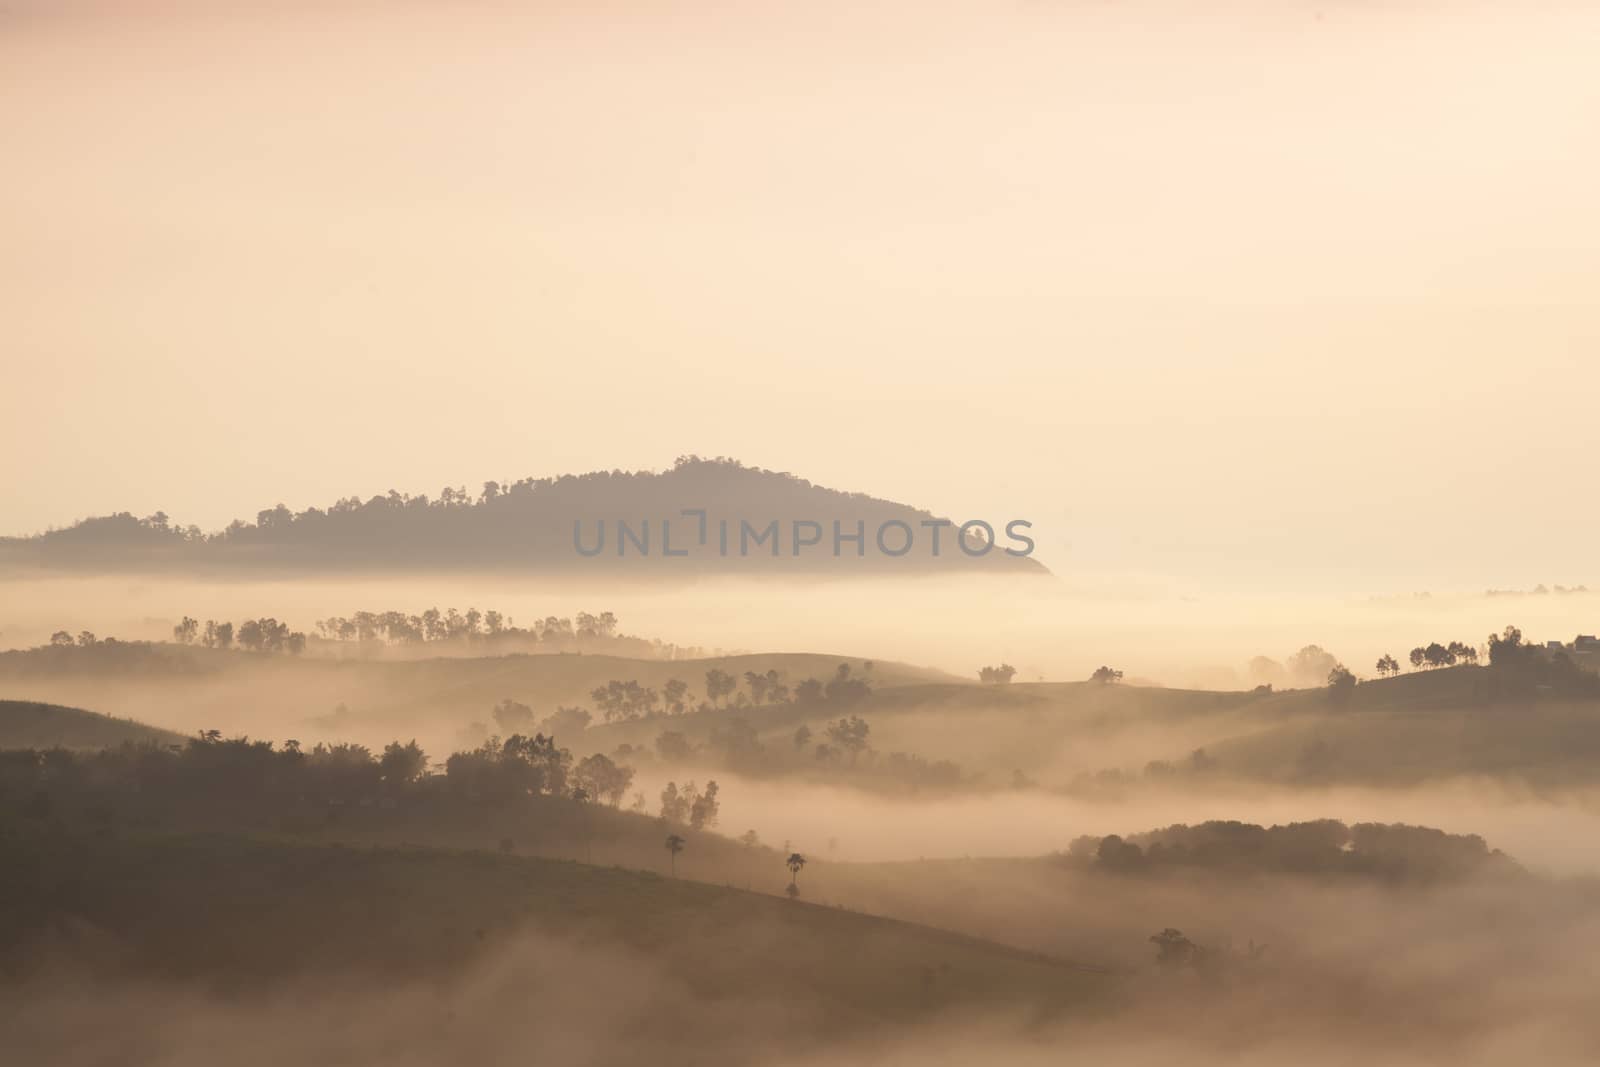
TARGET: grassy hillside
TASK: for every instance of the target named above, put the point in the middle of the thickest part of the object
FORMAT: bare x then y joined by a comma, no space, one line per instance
189,688
25,724
241,911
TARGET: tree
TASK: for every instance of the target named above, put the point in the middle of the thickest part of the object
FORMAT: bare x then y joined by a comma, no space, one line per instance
564,721
1172,948
758,687
808,692
1105,676
512,717
1341,682
600,777
86,639
719,683
849,735
749,839
674,846
1000,675
844,689
186,631
1506,649
794,863
1387,665
674,693
61,639
1311,664
1418,657
250,637
802,737
704,808
672,746
402,765
674,805
1461,652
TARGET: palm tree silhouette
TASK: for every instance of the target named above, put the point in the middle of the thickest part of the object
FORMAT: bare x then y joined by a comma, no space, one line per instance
674,846
794,863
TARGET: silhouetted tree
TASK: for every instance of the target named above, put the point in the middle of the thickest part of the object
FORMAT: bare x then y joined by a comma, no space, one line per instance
1105,675
401,765
1388,665
997,675
1341,682
719,683
512,717
849,735
1311,664
1172,948
601,778
794,863
704,808
674,846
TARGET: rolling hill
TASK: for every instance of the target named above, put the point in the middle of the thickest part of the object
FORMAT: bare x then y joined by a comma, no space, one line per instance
249,913
25,724
699,517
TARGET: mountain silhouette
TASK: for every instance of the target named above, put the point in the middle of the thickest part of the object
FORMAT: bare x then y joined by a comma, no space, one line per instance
702,516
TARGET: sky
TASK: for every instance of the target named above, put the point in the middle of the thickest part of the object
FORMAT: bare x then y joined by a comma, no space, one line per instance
1270,295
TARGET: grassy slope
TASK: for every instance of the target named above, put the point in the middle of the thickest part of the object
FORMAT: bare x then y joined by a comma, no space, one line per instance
278,696
24,724
241,911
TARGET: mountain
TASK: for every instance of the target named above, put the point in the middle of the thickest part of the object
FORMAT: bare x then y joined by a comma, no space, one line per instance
700,517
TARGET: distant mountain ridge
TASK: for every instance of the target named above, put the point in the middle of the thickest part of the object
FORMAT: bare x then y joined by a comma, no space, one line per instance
700,517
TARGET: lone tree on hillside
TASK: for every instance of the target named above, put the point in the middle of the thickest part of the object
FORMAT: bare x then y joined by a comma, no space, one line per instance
997,675
674,846
1105,676
794,863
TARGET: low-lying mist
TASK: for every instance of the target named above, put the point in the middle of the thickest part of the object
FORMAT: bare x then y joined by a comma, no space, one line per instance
1056,629
1558,836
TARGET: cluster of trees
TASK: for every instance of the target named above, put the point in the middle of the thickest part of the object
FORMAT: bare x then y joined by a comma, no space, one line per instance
213,774
690,806
1174,950
1000,675
1430,655
840,746
1327,846
1310,666
433,625
515,718
1105,675
253,635
1515,665
624,701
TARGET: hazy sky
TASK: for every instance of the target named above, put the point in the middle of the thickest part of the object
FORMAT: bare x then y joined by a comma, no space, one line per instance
1279,293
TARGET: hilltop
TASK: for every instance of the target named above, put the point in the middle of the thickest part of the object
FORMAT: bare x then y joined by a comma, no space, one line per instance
25,724
189,687
699,517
